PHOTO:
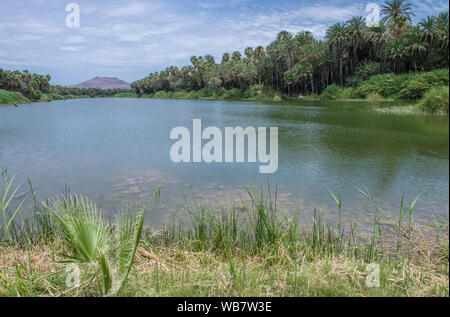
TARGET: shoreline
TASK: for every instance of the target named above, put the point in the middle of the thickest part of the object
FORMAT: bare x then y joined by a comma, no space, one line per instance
409,108
224,253
431,96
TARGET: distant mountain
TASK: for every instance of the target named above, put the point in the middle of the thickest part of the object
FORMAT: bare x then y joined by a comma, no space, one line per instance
104,83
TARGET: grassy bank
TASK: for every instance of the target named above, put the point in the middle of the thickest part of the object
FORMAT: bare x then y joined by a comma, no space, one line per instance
253,93
246,250
10,97
428,91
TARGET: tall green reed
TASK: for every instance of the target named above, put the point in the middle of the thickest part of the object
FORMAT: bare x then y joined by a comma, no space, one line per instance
6,196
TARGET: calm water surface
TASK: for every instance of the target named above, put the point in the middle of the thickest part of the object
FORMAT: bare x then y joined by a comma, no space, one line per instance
116,151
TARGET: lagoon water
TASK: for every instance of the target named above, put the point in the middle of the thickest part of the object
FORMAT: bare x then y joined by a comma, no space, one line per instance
116,151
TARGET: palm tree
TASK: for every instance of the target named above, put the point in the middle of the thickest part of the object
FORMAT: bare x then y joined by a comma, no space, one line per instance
356,28
249,52
298,74
443,35
396,51
414,44
379,36
288,49
225,57
336,37
284,35
429,28
258,54
310,55
394,9
236,56
442,32
215,83
210,60
274,51
27,76
429,31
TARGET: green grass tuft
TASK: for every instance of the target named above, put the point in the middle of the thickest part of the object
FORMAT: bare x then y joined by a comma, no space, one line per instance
435,100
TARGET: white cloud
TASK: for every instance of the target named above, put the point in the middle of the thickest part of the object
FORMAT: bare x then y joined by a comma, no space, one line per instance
135,9
430,7
71,48
75,39
139,35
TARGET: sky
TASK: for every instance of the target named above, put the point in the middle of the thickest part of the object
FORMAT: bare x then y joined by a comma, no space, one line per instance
129,39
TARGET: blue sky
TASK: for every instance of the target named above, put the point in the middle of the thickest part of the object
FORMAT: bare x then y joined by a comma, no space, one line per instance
130,39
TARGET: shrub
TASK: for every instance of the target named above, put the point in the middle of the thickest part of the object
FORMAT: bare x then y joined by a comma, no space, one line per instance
259,92
126,95
234,93
161,94
404,86
385,85
205,93
311,97
221,92
192,95
367,69
374,97
46,97
435,100
414,89
332,92
277,98
349,93
352,81
182,94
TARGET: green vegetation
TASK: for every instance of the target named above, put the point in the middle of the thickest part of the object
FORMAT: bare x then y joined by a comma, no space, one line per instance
435,100
10,97
412,86
105,253
392,60
407,86
250,250
253,93
126,95
22,87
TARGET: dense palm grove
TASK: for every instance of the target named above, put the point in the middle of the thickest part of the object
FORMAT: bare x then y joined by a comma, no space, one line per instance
37,87
299,64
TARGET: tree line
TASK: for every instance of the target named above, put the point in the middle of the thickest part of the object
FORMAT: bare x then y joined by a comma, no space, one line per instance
37,87
300,64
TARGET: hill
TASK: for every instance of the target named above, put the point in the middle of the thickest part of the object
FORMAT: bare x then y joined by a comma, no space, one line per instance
104,83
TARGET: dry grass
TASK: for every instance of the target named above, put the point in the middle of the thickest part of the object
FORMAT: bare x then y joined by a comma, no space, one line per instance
181,271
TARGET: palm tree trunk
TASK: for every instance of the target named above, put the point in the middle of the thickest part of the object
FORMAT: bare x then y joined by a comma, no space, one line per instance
331,64
341,79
